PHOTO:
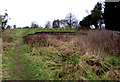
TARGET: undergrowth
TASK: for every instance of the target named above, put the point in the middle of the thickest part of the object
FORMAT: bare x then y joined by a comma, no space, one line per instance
88,55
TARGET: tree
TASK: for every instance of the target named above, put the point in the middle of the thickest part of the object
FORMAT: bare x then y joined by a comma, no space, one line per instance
48,24
71,20
94,18
63,23
34,25
112,15
86,22
97,14
56,24
14,26
26,27
4,19
8,27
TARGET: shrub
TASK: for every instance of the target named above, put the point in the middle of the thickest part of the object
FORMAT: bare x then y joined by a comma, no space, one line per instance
95,42
45,39
35,40
101,41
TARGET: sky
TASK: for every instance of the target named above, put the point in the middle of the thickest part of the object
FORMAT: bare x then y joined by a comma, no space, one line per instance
24,12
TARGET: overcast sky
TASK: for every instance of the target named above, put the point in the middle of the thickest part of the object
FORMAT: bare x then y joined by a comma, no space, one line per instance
23,12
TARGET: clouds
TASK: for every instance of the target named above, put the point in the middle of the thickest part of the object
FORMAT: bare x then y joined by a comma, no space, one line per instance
23,12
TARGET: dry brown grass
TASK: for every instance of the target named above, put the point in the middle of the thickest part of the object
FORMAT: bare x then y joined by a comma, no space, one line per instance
7,38
101,42
98,42
0,46
79,54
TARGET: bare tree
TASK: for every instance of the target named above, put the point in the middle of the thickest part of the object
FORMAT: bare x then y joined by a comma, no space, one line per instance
48,24
63,23
34,25
4,19
71,20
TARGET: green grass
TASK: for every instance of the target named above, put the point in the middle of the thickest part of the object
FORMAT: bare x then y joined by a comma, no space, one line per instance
113,61
75,59
46,64
7,59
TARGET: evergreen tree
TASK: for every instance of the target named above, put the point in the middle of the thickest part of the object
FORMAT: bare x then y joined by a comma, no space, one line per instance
112,15
97,14
94,18
56,24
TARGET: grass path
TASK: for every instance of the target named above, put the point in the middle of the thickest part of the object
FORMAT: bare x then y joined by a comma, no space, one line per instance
16,65
19,69
24,68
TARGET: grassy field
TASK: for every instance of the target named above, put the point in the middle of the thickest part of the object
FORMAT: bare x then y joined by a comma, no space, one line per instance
0,58
88,55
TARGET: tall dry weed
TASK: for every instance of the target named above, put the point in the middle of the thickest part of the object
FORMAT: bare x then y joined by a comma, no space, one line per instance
100,42
97,42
